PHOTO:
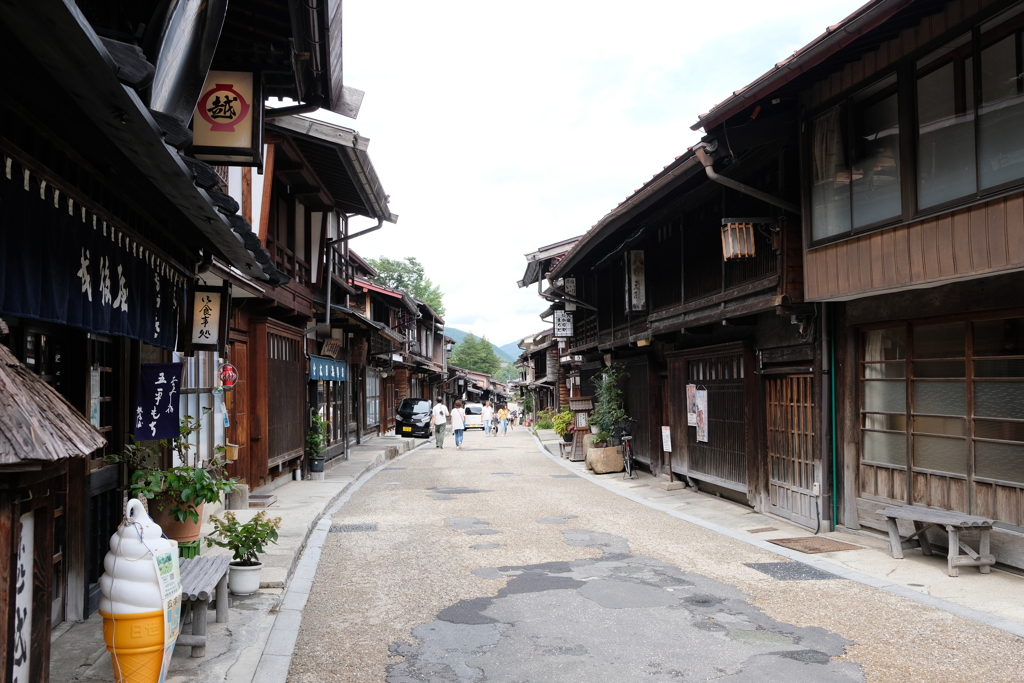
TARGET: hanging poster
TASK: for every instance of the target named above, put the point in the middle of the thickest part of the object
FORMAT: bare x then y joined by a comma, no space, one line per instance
666,439
23,573
156,409
702,415
691,405
168,572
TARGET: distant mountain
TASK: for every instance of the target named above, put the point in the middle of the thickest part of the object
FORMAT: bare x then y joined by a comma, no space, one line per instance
512,349
501,351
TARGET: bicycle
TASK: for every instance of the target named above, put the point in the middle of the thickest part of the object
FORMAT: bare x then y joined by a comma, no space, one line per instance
627,448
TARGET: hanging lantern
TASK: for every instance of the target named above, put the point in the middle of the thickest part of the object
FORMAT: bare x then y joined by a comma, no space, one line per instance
737,240
228,375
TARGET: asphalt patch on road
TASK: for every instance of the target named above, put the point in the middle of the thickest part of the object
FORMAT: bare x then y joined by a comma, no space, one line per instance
349,528
565,476
556,520
456,490
792,571
569,620
504,474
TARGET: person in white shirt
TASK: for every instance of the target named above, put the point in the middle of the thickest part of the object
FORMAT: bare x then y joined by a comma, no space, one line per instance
458,424
488,416
439,421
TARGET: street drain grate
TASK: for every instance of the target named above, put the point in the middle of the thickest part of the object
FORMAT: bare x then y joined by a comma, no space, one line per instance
346,528
791,571
565,476
761,530
814,544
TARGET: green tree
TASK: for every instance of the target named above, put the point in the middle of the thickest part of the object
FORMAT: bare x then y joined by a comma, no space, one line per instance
476,354
408,275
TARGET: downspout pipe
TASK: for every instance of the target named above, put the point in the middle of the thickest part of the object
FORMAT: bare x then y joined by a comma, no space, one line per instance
380,224
702,151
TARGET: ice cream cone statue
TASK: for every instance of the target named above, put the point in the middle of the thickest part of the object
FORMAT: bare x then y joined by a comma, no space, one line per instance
141,587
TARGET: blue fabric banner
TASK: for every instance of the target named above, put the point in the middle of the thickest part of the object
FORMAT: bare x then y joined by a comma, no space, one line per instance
61,263
156,410
327,369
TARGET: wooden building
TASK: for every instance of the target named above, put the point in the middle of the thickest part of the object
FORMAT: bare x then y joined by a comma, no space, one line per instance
107,216
539,370
911,178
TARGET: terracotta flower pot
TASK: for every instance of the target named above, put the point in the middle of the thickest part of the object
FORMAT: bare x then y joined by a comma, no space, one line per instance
182,532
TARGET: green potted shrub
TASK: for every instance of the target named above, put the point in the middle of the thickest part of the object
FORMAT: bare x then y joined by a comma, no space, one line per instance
317,439
600,439
563,424
608,411
246,542
178,493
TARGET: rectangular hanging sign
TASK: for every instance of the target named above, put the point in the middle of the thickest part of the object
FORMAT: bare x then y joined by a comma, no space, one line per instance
691,405
156,408
228,122
702,415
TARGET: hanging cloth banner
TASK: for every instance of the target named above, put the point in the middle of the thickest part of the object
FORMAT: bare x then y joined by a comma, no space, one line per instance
156,410
63,264
702,415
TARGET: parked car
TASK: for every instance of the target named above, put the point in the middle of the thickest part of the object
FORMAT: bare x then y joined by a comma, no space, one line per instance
475,416
413,418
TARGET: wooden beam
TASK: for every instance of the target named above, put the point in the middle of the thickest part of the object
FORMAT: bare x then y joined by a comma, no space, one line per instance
268,184
247,194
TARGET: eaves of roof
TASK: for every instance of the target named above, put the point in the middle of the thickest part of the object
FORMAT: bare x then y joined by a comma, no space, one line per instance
682,168
834,38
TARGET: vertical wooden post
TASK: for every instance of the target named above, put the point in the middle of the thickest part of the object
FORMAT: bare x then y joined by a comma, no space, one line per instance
268,184
247,194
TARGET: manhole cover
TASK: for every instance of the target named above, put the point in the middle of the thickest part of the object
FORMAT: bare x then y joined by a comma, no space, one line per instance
565,476
761,530
791,571
345,528
814,544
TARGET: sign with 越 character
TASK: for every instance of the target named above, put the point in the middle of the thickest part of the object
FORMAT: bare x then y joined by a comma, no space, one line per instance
156,403
228,122
563,324
209,310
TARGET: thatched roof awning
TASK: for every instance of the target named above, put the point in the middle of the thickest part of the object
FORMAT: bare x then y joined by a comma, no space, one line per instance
37,423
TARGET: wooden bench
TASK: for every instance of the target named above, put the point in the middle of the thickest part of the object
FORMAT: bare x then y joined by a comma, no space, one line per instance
202,578
955,522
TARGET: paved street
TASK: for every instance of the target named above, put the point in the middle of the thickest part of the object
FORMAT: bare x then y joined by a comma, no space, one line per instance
494,563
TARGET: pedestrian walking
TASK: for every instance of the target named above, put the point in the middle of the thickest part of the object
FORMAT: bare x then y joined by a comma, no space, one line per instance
488,417
503,418
512,419
439,421
458,424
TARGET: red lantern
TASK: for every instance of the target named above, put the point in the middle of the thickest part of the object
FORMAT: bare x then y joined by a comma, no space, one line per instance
228,375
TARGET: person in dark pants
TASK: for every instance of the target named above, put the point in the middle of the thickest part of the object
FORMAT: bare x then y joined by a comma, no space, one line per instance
439,421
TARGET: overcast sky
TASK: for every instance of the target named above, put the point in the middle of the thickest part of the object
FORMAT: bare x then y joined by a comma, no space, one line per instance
498,128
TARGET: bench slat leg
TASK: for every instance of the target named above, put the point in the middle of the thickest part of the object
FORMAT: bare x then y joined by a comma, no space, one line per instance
222,599
985,549
954,550
922,537
894,538
199,610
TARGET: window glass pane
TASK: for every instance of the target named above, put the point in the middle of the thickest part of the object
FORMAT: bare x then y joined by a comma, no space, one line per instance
893,423
896,370
939,368
890,449
940,398
945,124
885,397
1001,114
999,399
876,168
950,426
888,344
995,429
943,455
939,341
999,368
999,461
999,337
830,190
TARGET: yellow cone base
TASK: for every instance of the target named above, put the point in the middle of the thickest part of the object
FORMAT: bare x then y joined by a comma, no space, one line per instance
136,645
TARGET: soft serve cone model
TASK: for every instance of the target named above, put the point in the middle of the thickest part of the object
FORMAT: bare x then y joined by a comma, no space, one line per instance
141,587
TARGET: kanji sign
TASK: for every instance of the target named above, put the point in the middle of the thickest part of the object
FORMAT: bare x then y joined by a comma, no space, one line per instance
209,313
563,324
156,407
228,120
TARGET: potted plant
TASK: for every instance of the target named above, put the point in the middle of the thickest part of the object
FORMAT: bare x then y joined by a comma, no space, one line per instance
608,411
563,424
600,439
317,439
246,542
179,493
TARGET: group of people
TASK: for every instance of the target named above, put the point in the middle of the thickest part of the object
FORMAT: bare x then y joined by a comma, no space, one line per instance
441,416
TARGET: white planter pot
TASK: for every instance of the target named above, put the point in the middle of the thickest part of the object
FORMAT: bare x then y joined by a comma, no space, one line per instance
594,429
244,580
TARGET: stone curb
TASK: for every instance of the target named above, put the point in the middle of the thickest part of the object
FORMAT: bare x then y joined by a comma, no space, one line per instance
282,624
824,565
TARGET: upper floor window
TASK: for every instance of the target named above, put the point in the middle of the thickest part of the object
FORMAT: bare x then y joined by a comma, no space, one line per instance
859,188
